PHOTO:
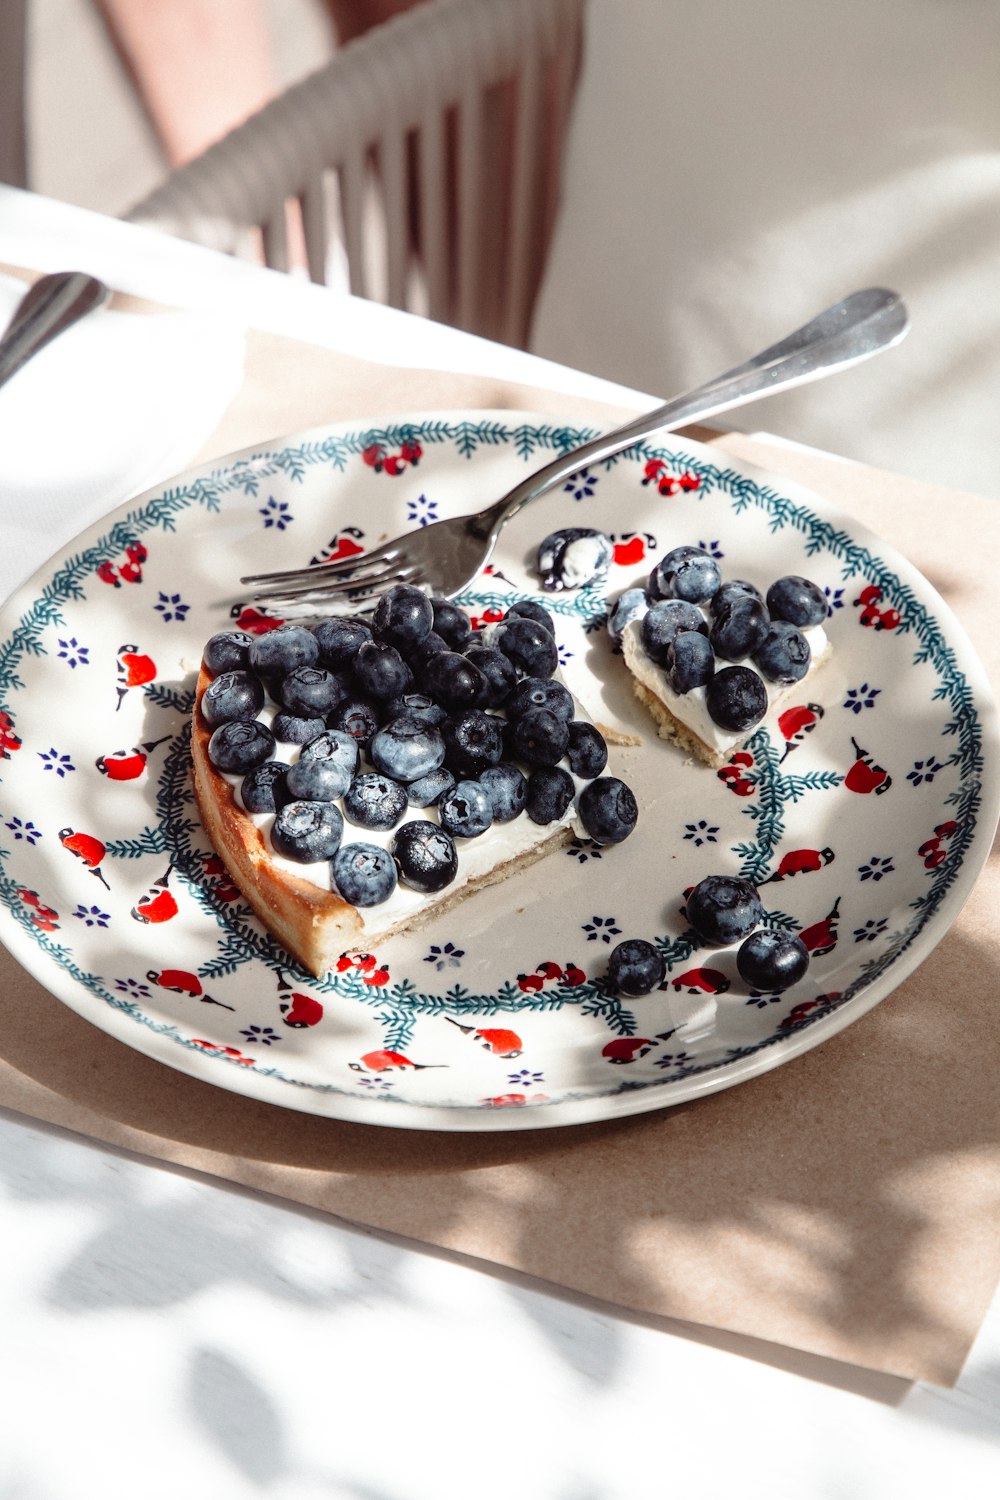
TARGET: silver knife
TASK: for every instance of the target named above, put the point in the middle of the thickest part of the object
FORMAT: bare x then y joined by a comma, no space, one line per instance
48,307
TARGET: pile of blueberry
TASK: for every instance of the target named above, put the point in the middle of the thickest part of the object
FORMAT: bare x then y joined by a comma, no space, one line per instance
411,711
727,909
740,625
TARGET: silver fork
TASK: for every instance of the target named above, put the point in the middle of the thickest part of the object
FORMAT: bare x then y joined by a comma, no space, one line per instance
445,556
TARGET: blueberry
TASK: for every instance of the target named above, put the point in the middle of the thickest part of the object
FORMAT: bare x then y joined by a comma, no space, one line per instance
264,789
662,621
290,729
686,573
453,680
426,790
540,692
340,637
690,661
324,768
772,960
784,654
736,699
418,653
608,810
724,908
407,748
500,674
739,627
451,623
239,746
507,789
540,737
418,705
425,856
282,650
229,651
733,588
527,644
402,616
587,752
575,556
797,600
311,692
363,874
231,696
374,801
530,609
473,740
466,810
358,718
630,605
307,831
380,670
635,967
550,794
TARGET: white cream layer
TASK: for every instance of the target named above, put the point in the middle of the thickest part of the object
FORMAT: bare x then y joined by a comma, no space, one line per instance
690,709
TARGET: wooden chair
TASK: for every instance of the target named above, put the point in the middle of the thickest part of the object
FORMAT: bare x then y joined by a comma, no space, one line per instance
425,155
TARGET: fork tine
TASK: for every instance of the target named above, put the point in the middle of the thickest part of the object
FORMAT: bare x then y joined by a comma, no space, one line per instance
342,568
348,589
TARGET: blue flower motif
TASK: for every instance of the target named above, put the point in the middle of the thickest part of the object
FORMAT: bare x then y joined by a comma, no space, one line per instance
871,930
701,833
674,1059
581,486
834,600
756,998
445,957
53,761
525,1076
565,655
601,929
92,915
262,1034
133,988
877,866
924,770
583,849
422,510
73,653
276,513
861,697
171,607
378,1082
26,831
713,549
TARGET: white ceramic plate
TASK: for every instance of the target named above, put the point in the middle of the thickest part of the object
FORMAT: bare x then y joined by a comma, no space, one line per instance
866,816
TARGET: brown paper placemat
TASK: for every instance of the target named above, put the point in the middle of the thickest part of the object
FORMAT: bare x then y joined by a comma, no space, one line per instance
845,1204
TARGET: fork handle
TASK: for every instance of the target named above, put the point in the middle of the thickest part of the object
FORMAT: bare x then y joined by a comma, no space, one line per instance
50,305
852,330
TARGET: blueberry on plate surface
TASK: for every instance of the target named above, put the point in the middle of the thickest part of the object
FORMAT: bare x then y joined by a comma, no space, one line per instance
282,650
739,627
228,651
608,810
540,692
771,960
451,623
550,794
340,637
403,616
507,789
264,789
635,967
473,740
453,680
587,751
736,698
733,588
540,737
311,692
307,831
380,671
426,790
530,609
665,619
630,605
797,600
292,730
690,661
363,874
724,908
784,654
572,557
374,801
686,573
239,746
527,644
425,856
466,810
407,748
498,671
232,696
